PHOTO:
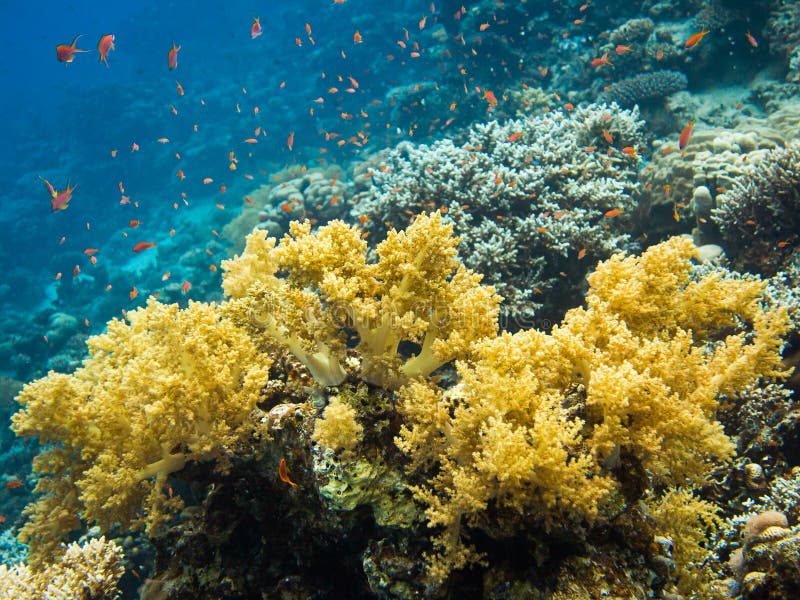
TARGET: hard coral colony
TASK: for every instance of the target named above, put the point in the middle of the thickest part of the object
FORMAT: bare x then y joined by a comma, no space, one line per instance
525,326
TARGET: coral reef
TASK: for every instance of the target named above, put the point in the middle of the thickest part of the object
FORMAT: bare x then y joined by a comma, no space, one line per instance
166,387
317,194
759,216
555,426
645,86
416,292
688,523
526,198
89,571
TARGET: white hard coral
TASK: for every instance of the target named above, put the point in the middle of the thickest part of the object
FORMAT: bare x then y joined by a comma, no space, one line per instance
85,572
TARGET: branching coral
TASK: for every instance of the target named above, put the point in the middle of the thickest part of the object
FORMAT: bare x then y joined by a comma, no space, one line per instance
759,218
540,425
416,292
85,572
525,197
164,388
645,86
689,523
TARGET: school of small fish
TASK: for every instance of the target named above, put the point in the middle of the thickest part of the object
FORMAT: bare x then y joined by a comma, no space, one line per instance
336,84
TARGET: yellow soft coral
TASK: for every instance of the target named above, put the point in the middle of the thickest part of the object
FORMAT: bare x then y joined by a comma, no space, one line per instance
690,523
540,423
166,387
416,292
338,428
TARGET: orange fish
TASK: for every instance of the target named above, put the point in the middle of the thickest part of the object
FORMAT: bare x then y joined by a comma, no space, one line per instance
180,88
13,484
105,44
629,151
290,141
490,98
601,61
172,57
134,292
622,49
58,200
751,39
90,251
357,39
581,253
695,38
186,286
142,246
686,135
283,473
514,136
66,54
255,30
607,136
614,212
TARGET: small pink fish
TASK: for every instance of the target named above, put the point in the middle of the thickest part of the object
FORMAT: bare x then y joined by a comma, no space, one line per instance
58,200
66,54
172,57
105,45
255,30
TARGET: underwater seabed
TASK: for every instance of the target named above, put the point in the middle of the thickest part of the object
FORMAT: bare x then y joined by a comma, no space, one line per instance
503,306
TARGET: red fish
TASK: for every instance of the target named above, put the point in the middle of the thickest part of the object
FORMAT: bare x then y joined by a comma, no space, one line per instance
142,246
255,30
66,54
15,483
58,200
172,57
695,38
186,286
601,61
290,141
105,44
283,473
686,135
490,98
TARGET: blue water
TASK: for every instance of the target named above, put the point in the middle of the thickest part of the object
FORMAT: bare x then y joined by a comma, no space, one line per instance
64,120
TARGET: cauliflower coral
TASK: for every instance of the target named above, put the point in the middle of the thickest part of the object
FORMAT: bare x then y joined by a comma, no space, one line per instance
551,426
417,292
166,387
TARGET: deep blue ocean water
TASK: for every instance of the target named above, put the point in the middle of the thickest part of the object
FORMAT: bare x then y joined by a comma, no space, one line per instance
62,122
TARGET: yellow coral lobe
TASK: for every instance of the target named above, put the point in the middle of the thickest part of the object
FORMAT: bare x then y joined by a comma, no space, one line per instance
166,387
338,429
540,424
416,292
